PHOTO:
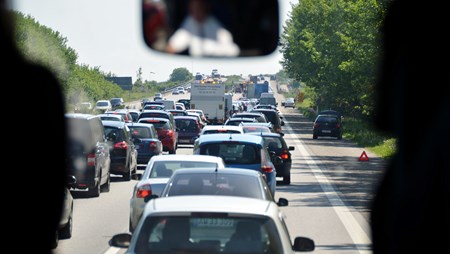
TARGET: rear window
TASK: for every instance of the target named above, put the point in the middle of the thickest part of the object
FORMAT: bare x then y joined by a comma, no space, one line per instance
233,153
215,184
159,125
140,132
186,124
208,233
327,119
166,168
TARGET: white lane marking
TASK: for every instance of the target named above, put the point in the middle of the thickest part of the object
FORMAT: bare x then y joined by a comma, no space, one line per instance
112,250
354,229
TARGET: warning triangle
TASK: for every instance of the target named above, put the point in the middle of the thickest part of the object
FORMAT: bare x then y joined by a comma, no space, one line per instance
363,156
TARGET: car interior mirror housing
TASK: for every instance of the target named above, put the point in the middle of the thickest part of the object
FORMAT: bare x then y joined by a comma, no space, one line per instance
234,28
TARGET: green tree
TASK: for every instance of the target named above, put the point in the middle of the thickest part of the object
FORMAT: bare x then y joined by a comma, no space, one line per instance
333,47
180,75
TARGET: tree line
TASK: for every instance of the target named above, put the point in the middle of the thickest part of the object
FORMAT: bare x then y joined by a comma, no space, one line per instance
333,48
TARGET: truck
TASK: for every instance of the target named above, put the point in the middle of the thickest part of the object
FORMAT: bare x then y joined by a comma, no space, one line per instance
211,99
261,87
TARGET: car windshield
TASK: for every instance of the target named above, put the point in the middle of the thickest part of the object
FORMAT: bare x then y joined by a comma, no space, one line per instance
333,78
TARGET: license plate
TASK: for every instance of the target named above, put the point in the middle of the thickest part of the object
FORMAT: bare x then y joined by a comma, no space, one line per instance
326,131
185,141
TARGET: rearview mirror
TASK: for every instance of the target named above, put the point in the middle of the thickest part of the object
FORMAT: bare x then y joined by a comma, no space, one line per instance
227,28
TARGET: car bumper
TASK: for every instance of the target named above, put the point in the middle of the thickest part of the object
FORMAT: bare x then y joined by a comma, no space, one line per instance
119,165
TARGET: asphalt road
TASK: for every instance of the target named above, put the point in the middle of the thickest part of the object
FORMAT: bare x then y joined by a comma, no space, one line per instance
329,196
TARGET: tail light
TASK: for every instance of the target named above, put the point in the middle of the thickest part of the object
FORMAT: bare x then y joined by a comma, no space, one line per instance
316,125
121,145
266,169
284,155
152,145
144,191
338,125
91,159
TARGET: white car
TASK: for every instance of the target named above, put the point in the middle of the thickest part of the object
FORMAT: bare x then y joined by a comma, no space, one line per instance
211,224
157,173
289,102
103,105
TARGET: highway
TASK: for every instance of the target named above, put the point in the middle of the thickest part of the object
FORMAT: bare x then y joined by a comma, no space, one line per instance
329,195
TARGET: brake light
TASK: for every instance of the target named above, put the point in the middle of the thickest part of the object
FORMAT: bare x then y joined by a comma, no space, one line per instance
170,133
91,159
284,155
152,145
121,145
144,191
266,169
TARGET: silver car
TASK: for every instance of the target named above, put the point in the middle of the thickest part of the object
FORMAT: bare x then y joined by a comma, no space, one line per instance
211,224
157,173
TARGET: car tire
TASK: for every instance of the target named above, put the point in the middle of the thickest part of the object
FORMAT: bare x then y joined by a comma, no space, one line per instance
66,231
172,151
315,136
94,191
127,175
339,137
287,179
106,186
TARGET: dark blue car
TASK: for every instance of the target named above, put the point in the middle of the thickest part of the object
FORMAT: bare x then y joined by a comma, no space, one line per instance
146,141
188,129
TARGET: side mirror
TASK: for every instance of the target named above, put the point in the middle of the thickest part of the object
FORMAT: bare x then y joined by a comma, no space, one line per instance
136,176
282,123
291,148
242,24
303,244
71,180
120,240
282,202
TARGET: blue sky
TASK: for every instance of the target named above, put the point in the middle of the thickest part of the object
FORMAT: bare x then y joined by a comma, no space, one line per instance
106,34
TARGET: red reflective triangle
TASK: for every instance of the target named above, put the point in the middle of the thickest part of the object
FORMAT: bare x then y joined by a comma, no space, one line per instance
363,156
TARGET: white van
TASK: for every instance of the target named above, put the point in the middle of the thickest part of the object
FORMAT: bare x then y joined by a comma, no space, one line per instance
169,104
267,95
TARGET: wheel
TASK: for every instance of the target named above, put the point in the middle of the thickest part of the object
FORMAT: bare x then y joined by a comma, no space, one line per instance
315,136
95,191
339,137
127,176
106,186
66,231
287,179
172,151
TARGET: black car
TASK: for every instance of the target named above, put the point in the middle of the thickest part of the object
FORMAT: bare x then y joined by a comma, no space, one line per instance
122,149
117,103
273,117
327,125
277,147
89,157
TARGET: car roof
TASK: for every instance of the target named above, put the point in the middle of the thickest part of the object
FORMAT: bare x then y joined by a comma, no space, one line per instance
186,117
211,203
133,124
154,118
81,115
185,157
226,170
115,124
231,137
